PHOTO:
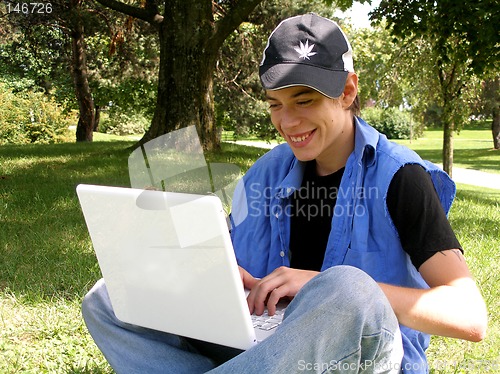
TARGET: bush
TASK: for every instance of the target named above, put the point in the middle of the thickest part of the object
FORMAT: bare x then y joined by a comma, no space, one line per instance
392,122
252,120
31,118
119,123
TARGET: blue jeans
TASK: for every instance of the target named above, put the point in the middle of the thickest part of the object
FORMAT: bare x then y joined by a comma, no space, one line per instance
339,322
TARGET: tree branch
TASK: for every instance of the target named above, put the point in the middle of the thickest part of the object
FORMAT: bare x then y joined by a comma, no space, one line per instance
233,18
148,14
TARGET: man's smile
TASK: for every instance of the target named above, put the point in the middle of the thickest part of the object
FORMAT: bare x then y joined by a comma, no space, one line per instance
300,137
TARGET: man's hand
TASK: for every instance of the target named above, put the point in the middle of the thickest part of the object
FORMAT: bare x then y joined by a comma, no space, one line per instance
248,280
267,292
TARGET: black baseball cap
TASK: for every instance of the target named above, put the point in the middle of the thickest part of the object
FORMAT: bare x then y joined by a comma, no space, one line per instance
307,50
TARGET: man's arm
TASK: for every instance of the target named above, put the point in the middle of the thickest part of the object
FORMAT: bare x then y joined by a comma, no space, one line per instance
452,306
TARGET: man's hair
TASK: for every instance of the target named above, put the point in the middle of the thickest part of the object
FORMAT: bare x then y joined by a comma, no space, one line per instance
355,107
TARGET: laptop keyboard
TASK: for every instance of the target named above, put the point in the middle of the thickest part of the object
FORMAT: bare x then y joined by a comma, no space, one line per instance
267,322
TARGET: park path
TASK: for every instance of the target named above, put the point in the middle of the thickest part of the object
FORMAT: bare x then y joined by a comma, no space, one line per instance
476,178
460,175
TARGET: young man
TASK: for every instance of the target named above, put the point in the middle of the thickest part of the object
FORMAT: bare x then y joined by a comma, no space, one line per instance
348,225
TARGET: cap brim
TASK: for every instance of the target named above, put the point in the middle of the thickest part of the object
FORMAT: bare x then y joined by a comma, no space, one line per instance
330,83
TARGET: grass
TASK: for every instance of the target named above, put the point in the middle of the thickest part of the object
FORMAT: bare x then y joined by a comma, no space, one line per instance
47,263
473,149
475,217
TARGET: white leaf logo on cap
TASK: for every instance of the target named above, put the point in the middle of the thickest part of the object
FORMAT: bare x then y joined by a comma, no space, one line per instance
304,50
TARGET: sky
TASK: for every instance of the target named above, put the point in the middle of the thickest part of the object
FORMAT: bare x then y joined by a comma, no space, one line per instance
359,13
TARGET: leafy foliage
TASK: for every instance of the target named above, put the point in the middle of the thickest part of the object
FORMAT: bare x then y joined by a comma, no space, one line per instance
452,45
33,60
392,122
376,59
122,57
123,69
31,118
121,123
238,92
462,41
471,25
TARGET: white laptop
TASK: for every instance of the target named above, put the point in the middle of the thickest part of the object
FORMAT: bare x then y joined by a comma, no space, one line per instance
169,265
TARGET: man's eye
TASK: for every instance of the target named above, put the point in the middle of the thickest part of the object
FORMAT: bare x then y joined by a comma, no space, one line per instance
304,102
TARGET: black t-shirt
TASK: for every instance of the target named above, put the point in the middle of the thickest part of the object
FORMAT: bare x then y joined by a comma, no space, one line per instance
311,217
412,203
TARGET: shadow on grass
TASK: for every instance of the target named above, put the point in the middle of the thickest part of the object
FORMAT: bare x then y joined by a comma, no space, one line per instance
63,162
45,250
486,159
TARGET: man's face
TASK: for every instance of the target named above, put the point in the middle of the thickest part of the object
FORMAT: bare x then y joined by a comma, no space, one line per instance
316,127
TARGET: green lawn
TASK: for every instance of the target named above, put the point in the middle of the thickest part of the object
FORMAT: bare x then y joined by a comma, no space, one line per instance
473,149
475,216
47,262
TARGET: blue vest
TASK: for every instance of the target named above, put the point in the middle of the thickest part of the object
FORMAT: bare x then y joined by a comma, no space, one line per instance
362,234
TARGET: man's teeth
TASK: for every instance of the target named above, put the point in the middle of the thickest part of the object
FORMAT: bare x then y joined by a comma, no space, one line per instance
296,139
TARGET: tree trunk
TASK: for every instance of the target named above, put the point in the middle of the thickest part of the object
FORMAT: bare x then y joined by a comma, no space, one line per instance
187,62
448,129
449,92
495,128
85,127
97,117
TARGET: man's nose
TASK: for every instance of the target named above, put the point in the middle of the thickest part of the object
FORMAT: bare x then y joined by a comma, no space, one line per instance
289,118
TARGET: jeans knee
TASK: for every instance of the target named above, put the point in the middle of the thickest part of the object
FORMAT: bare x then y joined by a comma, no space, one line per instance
355,284
350,290
95,302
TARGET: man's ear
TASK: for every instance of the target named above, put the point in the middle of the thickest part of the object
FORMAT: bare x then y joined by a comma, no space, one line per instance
350,90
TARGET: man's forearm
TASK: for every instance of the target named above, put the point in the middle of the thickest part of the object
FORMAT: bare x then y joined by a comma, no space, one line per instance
456,310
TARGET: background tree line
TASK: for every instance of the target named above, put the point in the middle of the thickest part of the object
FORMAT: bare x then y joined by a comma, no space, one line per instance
156,66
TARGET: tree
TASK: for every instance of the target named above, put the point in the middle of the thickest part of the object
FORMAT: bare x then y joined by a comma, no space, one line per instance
123,72
76,28
377,60
464,40
488,105
76,52
492,92
191,33
67,17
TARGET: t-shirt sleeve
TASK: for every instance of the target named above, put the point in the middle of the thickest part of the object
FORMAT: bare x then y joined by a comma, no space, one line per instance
417,213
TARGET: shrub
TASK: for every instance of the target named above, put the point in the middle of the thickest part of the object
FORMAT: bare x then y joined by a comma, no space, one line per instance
392,122
119,123
252,120
31,117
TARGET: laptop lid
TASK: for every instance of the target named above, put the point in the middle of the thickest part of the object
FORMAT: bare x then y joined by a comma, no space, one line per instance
168,262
